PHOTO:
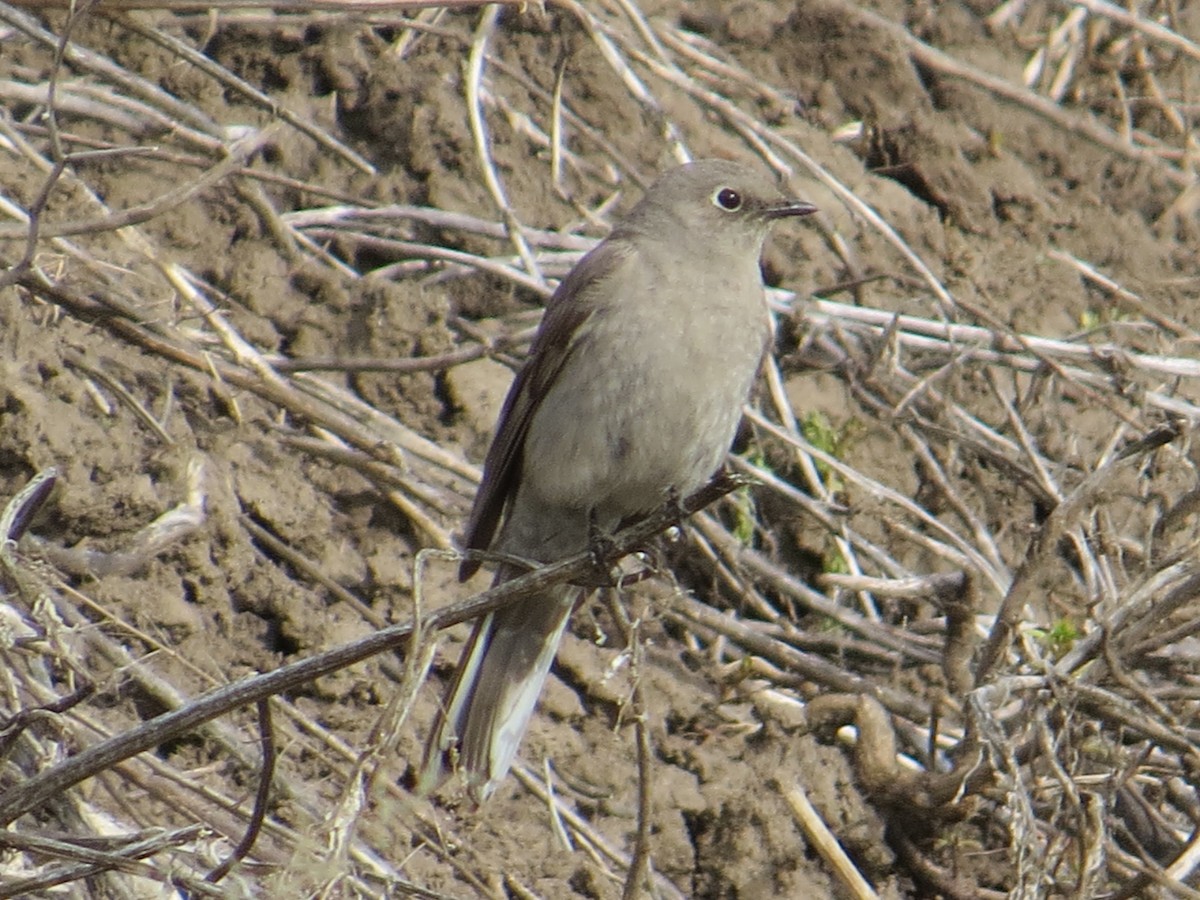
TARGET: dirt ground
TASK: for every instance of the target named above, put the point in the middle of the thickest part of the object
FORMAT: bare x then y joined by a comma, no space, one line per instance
306,537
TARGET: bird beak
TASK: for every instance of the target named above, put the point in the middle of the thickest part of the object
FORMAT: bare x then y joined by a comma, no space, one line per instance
781,209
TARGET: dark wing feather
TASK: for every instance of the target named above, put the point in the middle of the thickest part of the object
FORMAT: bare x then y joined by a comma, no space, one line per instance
566,312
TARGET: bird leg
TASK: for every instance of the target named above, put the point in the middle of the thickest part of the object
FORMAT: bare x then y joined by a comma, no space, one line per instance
600,546
673,505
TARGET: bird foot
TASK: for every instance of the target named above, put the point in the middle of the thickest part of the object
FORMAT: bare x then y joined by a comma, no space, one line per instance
600,546
673,505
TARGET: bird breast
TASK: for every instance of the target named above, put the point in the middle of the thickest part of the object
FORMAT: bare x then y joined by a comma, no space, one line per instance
649,401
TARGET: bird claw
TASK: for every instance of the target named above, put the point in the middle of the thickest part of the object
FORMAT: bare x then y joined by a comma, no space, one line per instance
606,573
601,547
673,505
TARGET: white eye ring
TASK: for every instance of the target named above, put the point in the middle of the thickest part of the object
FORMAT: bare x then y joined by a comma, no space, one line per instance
727,199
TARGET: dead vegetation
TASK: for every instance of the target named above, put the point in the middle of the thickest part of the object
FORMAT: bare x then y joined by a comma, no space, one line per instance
987,564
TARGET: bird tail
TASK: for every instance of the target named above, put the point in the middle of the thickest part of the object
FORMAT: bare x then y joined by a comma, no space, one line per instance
494,692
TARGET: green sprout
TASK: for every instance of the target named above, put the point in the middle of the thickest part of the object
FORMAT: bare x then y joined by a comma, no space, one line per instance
835,441
832,560
744,510
1059,638
1092,317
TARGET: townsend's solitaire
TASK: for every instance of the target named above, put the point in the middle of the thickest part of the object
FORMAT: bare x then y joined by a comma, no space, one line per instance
632,393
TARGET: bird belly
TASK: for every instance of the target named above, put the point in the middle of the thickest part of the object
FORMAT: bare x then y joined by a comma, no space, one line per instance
617,433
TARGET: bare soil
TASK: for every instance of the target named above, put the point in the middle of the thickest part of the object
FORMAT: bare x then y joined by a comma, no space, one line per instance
982,189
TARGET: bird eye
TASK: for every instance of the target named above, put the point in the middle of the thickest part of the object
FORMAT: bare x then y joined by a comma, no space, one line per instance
728,199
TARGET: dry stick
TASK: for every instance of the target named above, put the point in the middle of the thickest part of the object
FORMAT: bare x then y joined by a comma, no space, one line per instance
294,401
826,515
557,825
995,323
1042,352
393,214
996,343
156,782
450,505
404,366
556,124
276,6
590,836
759,567
432,251
1124,297
1187,861
161,773
1067,35
147,542
1118,710
615,160
944,534
338,832
1148,27
1145,606
1045,480
412,30
228,79
1177,585
105,106
252,193
639,866
238,153
690,612
1044,545
748,596
474,85
702,51
523,125
170,698
52,173
267,742
831,851
310,569
24,506
817,485
1145,68
947,882
96,861
935,473
76,360
634,85
34,791
33,223
14,726
52,87
1075,123
86,60
163,786
386,428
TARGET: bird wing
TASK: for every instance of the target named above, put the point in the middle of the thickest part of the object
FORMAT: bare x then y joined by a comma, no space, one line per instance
557,339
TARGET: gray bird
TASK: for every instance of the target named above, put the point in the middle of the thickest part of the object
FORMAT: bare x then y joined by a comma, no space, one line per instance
633,391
